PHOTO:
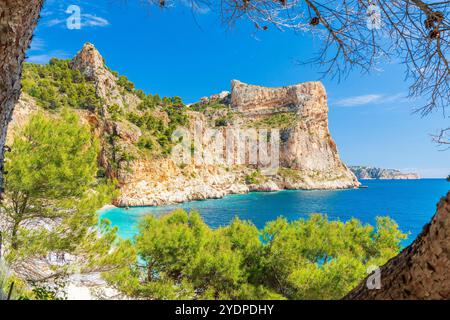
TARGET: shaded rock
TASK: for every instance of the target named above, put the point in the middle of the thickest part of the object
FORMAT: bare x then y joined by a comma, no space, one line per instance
420,271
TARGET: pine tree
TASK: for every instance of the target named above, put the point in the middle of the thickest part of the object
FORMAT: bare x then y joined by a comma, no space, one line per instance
52,193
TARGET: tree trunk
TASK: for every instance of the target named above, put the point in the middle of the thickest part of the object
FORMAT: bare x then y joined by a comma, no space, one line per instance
422,270
18,18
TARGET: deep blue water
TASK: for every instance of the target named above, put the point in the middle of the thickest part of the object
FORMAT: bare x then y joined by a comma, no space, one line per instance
411,203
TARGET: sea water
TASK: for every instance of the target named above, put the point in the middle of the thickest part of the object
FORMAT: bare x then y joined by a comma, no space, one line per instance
411,203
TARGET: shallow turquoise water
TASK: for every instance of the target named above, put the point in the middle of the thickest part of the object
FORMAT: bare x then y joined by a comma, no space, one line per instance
409,202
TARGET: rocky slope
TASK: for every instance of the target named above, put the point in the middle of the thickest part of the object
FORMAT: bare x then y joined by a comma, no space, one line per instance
135,147
367,173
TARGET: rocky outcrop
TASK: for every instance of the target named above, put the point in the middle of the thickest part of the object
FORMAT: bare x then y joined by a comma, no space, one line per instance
254,100
421,271
92,65
308,155
306,144
368,173
24,107
160,182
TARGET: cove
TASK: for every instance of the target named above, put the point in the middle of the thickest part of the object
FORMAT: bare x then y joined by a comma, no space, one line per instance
411,203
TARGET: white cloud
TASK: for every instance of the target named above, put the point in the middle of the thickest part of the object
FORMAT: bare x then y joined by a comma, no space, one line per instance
356,101
45,58
90,20
53,22
37,44
39,58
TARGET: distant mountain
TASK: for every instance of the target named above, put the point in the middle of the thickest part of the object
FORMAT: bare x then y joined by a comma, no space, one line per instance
362,172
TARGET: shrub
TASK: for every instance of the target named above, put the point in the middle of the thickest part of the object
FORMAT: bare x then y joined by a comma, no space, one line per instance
125,83
254,178
57,85
115,111
145,142
182,258
279,120
222,122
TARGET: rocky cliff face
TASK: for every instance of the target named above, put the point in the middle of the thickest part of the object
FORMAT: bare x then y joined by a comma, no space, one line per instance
91,64
421,270
308,156
368,173
306,143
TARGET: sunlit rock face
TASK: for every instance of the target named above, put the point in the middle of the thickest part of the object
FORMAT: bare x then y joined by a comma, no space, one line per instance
91,64
306,143
308,157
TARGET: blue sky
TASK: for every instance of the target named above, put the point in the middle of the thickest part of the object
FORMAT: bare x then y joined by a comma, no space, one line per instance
191,54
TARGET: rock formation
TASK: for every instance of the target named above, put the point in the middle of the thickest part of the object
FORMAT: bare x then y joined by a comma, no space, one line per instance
308,156
421,271
306,144
368,173
91,64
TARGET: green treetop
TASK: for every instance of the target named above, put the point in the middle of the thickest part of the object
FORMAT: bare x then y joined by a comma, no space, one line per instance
52,194
57,85
182,258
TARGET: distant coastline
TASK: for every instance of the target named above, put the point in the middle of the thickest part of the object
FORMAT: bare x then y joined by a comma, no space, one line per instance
373,173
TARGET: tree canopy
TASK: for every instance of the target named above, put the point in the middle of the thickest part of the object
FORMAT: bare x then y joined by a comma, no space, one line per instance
180,257
57,85
52,194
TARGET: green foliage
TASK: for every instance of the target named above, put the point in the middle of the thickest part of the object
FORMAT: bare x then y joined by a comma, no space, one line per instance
115,112
56,85
185,259
125,83
51,181
11,284
208,106
176,110
141,94
255,178
321,259
4,280
145,142
149,102
153,126
47,291
221,122
182,258
289,173
278,120
146,121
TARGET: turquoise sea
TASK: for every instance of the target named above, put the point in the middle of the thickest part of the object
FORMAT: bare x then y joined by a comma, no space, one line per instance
411,203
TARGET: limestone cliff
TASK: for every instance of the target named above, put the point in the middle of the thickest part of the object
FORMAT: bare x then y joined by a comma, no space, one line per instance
306,143
91,64
135,130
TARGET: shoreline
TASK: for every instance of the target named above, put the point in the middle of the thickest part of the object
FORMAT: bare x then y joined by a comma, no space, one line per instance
249,191
107,207
112,206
